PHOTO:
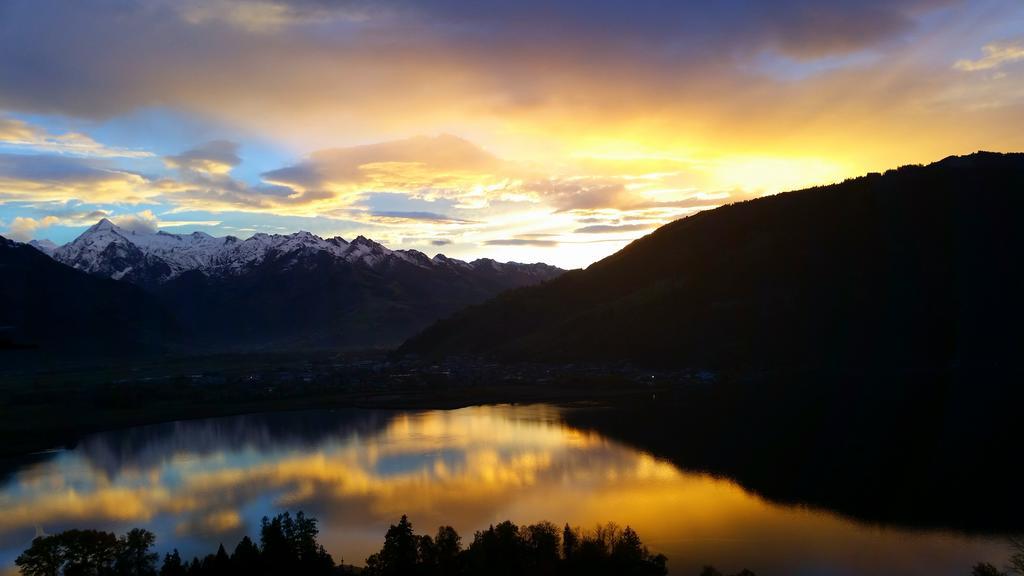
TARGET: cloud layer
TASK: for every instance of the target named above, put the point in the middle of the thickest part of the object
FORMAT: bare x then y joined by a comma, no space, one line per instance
485,124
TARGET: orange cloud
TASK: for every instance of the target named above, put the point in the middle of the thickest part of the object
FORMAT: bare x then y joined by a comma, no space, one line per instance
996,55
21,134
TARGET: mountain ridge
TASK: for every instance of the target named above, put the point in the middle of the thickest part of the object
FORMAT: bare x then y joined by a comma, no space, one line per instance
290,291
905,270
152,258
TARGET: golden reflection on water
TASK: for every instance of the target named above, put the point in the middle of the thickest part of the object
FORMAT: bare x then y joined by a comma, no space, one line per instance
468,468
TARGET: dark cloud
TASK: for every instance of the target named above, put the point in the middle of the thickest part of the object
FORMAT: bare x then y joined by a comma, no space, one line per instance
440,242
204,182
418,161
50,168
608,228
71,210
420,216
521,242
201,182
676,28
580,193
218,156
46,178
226,194
107,57
697,201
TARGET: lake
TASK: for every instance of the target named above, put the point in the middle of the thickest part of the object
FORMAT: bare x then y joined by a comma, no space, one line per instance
200,482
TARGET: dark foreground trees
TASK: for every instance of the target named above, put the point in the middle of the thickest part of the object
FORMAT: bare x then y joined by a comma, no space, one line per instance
90,552
288,545
509,550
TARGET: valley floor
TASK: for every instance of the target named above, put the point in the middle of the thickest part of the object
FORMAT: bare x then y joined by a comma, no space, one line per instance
46,408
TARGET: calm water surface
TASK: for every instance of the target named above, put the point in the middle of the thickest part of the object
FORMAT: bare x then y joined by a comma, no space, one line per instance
200,482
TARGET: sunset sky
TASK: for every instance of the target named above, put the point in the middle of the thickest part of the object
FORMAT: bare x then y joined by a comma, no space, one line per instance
527,130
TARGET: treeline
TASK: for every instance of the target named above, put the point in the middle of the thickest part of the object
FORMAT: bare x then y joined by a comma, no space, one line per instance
288,545
506,550
89,552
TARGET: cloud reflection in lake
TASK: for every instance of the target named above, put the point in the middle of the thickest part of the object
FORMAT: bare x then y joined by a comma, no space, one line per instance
200,482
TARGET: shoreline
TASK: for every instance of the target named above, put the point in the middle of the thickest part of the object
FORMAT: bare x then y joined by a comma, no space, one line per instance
51,410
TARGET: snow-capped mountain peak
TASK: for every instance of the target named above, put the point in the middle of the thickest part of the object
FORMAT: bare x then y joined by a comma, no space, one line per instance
102,225
44,245
362,249
110,250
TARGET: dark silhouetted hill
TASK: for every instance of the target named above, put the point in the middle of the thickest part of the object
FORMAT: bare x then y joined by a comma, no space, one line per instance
916,269
48,309
864,341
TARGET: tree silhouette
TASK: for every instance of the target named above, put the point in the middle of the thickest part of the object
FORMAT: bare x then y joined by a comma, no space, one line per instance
986,569
448,544
1017,559
246,557
135,556
507,549
570,542
1015,566
221,561
498,550
399,554
172,565
288,545
542,547
90,553
44,558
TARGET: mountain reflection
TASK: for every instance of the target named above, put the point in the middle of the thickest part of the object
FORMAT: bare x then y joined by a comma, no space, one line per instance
357,471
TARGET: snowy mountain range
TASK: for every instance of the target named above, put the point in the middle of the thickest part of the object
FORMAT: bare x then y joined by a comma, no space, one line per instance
274,291
152,258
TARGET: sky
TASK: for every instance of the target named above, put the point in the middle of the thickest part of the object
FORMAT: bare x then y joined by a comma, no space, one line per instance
530,131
